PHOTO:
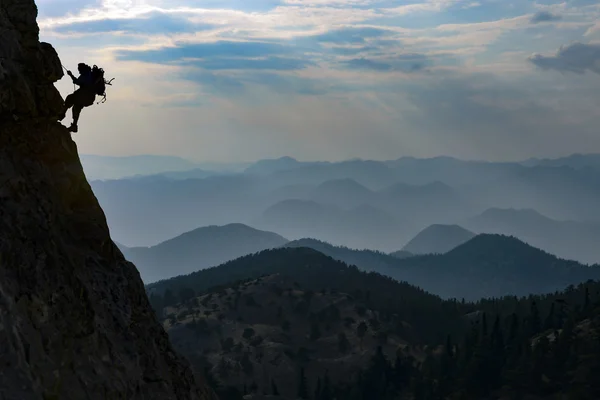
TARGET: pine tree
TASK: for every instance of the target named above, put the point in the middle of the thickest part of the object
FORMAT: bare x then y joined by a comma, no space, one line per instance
549,322
361,330
326,393
586,301
302,385
535,325
318,389
169,298
343,343
274,390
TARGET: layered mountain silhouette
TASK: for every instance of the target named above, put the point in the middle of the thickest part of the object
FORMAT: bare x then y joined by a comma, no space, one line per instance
200,248
567,239
270,166
425,204
577,161
563,193
492,265
364,226
372,174
367,260
488,265
438,239
110,167
345,193
410,193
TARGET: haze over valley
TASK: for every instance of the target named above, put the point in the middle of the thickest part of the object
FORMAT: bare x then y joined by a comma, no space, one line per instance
362,204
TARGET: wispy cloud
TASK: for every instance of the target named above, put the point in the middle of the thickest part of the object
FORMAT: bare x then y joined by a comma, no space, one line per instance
148,23
544,16
576,58
187,51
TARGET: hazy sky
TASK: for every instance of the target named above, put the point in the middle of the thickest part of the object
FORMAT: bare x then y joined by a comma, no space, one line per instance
225,80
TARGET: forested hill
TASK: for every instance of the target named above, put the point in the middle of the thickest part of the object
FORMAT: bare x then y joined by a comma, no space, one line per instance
537,347
367,260
429,316
488,265
492,265
532,347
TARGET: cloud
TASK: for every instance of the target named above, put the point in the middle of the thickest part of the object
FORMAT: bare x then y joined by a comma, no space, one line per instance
149,23
214,83
576,57
364,63
350,35
182,51
544,16
592,30
348,51
403,63
57,8
237,84
289,84
268,63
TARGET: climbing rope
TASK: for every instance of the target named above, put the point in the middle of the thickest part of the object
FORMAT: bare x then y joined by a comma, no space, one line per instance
66,70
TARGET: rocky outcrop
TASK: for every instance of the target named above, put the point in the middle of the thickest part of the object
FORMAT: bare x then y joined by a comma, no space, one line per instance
75,322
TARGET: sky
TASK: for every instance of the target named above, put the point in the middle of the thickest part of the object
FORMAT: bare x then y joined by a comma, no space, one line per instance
240,80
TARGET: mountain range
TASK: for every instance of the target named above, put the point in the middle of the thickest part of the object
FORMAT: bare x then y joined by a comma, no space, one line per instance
366,204
486,265
198,249
567,239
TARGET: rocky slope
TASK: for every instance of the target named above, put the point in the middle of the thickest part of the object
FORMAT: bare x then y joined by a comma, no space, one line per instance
75,322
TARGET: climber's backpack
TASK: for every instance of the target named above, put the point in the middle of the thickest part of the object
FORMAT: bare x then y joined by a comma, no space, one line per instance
99,82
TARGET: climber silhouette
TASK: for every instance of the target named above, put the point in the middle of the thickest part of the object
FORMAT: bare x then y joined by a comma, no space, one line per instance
82,97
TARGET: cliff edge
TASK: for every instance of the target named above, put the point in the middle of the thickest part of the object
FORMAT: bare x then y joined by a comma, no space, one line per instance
75,322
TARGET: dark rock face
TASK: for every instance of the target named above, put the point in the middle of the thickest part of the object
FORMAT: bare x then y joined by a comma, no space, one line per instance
75,322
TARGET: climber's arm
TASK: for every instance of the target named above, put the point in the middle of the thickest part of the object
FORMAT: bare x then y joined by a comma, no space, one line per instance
76,81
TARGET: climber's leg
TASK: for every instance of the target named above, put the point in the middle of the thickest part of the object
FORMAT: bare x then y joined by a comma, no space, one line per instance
69,101
76,112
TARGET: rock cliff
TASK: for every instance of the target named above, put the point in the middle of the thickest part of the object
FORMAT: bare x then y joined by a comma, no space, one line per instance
75,322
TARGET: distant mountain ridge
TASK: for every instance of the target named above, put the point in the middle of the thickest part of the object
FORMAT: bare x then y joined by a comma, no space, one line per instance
488,265
198,249
567,239
576,160
363,226
113,167
438,239
493,265
377,204
367,260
